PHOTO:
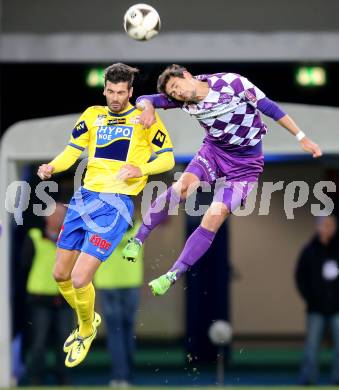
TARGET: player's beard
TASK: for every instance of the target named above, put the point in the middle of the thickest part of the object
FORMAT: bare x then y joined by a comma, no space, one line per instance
189,97
117,106
192,98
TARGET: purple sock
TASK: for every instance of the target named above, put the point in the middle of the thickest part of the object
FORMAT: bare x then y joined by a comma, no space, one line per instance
196,246
158,212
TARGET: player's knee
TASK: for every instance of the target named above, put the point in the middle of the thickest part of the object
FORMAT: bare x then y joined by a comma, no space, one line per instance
181,189
224,211
78,280
60,275
185,187
217,210
215,216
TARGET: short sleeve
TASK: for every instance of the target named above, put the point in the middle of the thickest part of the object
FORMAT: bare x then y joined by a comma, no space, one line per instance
159,138
244,88
80,134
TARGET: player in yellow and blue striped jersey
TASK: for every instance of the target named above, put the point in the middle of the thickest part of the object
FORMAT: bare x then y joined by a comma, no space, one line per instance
119,152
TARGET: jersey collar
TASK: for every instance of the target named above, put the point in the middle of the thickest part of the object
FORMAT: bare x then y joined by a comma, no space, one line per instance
211,96
128,111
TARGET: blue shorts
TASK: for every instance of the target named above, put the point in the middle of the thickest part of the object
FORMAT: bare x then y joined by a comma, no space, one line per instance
95,222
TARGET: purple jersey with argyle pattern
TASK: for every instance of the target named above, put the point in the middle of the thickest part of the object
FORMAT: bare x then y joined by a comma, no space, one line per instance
229,112
232,147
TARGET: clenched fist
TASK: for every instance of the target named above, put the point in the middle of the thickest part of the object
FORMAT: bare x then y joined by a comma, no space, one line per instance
45,171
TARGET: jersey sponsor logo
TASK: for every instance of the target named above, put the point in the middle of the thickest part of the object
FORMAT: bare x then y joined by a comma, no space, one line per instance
99,242
249,95
134,120
109,134
214,112
205,162
159,139
117,121
113,142
100,121
79,129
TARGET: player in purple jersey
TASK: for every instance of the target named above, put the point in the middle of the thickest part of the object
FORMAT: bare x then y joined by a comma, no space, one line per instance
228,107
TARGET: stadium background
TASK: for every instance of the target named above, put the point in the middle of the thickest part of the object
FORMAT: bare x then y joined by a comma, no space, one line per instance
47,50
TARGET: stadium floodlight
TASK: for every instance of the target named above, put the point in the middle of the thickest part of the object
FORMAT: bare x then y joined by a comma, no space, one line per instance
95,78
311,76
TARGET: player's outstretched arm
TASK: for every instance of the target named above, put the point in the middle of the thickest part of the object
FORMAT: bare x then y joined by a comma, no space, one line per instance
61,163
148,104
272,109
158,100
147,117
306,144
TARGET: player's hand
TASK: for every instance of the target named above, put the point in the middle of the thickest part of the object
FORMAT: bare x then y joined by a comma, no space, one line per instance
147,117
311,147
45,171
129,171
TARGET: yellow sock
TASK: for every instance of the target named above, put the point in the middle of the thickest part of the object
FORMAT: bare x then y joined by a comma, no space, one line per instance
84,301
67,291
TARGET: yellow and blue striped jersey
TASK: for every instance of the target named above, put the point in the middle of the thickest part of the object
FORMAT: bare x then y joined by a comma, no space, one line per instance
113,140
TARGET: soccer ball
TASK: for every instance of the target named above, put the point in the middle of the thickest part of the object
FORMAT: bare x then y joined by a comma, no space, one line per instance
142,22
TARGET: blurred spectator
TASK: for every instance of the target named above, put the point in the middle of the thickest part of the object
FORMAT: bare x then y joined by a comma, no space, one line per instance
317,277
118,282
50,315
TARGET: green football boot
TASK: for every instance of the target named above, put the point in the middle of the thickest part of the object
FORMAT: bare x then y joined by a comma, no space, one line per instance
132,250
160,285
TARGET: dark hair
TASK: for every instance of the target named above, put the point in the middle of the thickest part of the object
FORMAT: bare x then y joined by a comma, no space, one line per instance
117,73
173,70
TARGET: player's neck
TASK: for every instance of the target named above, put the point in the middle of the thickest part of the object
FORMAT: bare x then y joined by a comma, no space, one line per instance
202,90
126,108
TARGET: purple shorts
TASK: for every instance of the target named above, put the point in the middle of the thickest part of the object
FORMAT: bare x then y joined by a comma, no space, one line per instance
234,172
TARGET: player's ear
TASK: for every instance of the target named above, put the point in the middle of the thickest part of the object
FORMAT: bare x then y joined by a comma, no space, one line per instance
104,91
130,92
187,75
